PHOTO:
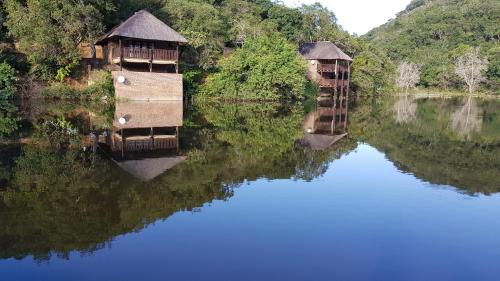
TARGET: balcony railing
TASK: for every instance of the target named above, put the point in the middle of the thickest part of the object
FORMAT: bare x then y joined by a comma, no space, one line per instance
324,67
330,83
146,54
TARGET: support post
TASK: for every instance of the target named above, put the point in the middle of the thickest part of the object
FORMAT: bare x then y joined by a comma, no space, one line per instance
121,52
347,96
177,138
123,144
177,59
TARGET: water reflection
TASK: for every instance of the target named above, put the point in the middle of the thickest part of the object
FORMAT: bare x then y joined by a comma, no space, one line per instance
405,109
61,198
327,124
144,139
448,142
67,191
467,119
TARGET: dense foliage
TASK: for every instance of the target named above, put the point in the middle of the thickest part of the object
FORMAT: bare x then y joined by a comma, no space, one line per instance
433,33
226,145
7,81
49,32
452,141
266,68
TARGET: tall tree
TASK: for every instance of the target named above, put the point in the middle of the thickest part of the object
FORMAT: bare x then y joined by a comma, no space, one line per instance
470,68
408,75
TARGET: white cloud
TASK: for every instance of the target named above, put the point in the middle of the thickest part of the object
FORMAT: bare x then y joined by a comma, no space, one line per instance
359,16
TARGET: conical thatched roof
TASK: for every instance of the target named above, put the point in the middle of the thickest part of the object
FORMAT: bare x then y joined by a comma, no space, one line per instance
320,142
143,25
149,168
323,50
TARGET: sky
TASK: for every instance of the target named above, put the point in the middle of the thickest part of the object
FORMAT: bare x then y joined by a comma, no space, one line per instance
359,16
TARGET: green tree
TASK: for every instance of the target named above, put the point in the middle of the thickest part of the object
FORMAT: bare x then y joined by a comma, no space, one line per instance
288,21
49,31
264,68
429,32
203,26
8,80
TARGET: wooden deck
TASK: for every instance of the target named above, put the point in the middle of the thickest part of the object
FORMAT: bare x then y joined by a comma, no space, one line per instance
145,55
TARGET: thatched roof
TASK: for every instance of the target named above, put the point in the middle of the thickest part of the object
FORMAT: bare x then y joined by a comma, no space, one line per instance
320,142
149,168
143,25
149,114
323,50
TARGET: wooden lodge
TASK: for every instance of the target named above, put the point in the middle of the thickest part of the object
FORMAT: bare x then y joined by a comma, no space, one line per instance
143,39
330,68
143,55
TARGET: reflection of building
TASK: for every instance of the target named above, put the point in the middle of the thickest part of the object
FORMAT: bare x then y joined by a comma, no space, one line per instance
146,126
144,140
327,124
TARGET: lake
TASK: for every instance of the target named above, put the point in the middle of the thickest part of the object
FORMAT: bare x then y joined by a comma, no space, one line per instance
249,191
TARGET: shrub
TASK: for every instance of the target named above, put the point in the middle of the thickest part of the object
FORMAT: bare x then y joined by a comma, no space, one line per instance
264,68
7,81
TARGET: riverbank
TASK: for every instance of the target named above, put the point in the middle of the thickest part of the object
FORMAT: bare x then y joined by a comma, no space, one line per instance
436,93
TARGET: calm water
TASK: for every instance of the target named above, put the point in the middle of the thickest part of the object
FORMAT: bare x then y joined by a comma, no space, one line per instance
412,193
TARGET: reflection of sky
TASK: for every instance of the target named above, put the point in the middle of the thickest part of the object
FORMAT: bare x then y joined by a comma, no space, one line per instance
363,220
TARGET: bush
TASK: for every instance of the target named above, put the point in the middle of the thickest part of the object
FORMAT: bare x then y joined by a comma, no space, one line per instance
100,86
7,81
264,68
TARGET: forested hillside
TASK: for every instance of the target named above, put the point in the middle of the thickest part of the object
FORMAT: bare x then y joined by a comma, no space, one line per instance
48,32
433,33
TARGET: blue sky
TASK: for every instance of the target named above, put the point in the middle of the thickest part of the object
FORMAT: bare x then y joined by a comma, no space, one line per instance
359,16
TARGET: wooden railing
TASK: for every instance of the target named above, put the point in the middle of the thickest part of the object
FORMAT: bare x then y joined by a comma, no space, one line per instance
147,143
324,67
146,54
323,82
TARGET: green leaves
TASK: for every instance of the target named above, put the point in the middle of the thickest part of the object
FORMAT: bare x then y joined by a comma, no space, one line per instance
435,33
8,81
265,68
49,31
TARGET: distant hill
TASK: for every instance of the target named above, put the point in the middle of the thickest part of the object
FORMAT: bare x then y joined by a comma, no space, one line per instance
433,33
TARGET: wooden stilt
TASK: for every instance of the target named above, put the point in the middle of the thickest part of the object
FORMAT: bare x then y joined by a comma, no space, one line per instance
121,52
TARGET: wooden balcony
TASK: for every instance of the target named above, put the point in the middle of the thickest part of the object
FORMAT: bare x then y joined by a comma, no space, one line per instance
144,143
145,55
326,67
330,68
326,83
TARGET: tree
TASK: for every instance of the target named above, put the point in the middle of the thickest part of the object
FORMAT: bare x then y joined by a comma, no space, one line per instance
408,75
288,21
264,68
203,26
49,31
7,81
429,31
470,68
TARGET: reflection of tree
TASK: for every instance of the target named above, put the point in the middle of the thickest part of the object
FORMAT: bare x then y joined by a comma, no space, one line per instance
8,118
405,109
62,199
467,120
428,148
